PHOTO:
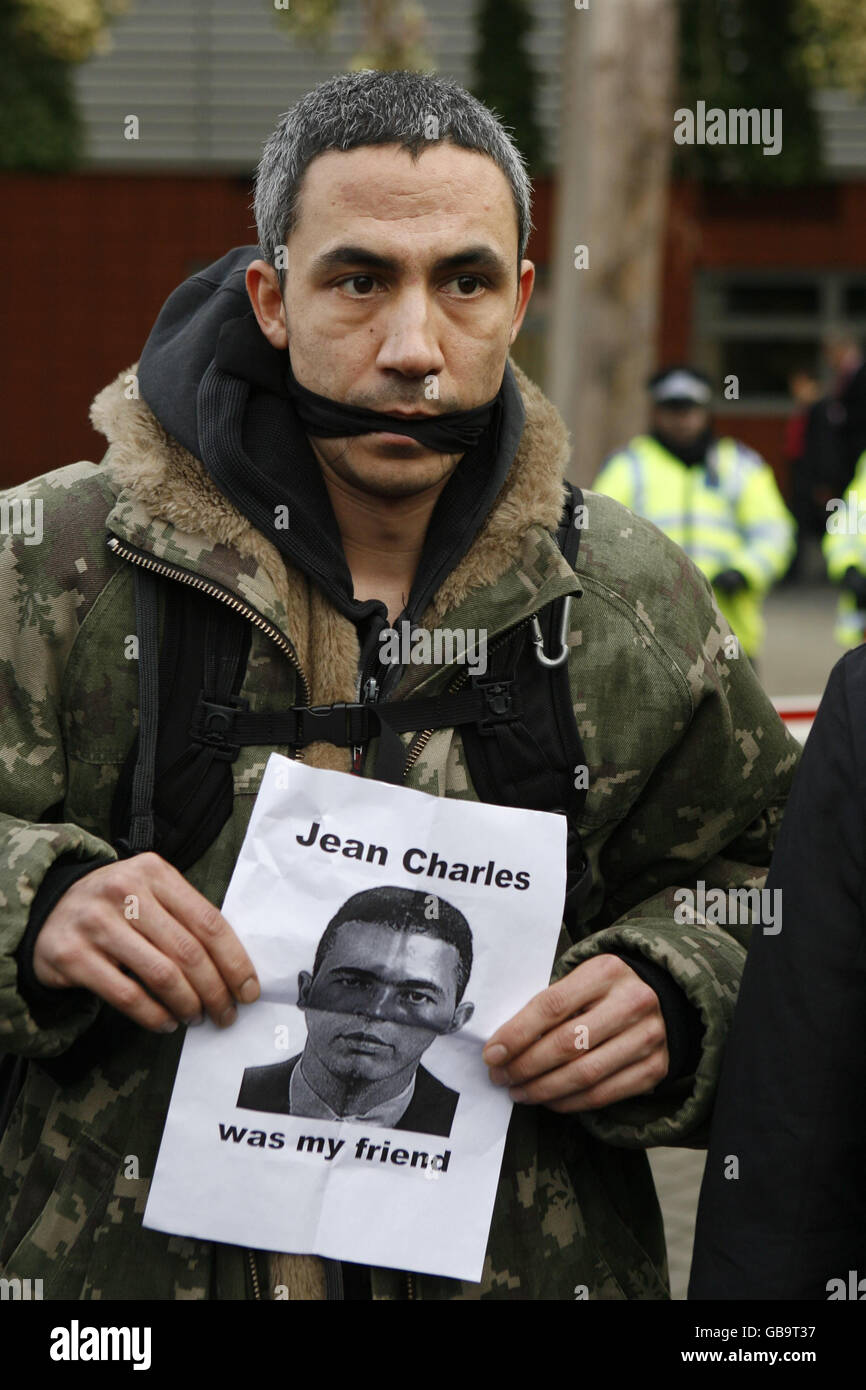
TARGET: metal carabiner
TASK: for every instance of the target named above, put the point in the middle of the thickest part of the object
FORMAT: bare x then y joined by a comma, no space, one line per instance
538,638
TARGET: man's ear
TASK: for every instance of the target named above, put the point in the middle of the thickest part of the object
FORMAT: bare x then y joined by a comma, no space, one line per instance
263,288
525,283
462,1014
305,980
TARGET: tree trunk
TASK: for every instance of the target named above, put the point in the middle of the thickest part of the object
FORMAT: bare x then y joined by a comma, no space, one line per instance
619,79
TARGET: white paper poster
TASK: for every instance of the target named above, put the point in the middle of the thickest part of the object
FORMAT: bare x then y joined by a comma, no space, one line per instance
348,1113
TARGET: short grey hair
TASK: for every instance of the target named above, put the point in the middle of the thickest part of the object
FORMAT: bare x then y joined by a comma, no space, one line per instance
378,108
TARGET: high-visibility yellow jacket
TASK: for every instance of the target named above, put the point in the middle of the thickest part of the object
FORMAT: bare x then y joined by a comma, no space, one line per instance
844,545
726,513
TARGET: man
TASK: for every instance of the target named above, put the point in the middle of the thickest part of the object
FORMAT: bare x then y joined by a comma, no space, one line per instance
404,284
808,453
387,980
844,547
845,406
713,496
782,1213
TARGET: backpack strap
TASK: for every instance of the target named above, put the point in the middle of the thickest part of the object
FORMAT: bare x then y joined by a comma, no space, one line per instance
13,1072
200,664
147,627
517,723
537,759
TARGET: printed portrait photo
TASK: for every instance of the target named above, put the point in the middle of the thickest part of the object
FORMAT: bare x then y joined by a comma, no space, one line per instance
389,977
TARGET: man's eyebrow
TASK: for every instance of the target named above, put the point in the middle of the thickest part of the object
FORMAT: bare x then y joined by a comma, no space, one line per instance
422,984
483,257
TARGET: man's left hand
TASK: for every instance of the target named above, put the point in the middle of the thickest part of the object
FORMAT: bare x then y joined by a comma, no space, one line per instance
730,582
594,1037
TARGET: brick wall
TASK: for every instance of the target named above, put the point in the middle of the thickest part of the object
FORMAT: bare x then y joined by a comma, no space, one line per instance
87,262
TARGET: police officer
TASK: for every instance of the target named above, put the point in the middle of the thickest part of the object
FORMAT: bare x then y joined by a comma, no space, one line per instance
844,546
714,496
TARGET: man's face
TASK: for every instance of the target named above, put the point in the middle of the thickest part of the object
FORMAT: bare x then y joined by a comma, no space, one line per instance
804,388
841,353
682,424
401,295
379,999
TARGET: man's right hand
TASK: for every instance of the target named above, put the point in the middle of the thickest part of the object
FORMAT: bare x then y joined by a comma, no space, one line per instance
855,582
174,941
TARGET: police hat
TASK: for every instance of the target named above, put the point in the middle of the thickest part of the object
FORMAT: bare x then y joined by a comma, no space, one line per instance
680,385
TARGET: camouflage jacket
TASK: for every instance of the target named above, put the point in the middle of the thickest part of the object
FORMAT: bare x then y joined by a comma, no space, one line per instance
689,766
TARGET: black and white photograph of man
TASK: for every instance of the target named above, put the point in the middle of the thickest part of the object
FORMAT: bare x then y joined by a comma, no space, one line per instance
388,978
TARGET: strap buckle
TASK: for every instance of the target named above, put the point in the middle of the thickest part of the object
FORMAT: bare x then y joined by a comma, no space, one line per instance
500,703
213,725
342,723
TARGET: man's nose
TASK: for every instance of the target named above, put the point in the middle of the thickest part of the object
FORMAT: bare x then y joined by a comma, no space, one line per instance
380,1004
409,343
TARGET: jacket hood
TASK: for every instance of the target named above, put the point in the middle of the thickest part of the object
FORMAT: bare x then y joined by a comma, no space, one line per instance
182,342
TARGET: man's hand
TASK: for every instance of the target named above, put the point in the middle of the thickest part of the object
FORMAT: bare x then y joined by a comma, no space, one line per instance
855,582
595,1037
730,582
176,942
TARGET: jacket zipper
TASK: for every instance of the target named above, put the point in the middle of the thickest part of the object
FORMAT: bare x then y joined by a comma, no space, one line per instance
415,751
369,693
423,738
206,586
137,557
257,1291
